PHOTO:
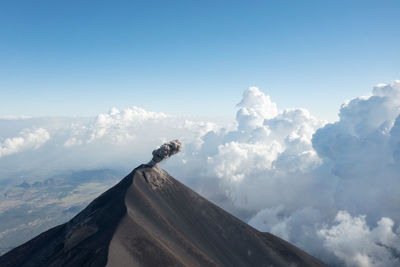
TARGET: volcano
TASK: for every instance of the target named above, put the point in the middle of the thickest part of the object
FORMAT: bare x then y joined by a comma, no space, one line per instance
151,219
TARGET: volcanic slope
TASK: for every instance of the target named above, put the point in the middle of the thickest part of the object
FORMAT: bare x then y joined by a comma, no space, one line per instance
151,219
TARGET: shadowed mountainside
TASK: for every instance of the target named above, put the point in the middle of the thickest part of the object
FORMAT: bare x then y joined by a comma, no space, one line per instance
151,219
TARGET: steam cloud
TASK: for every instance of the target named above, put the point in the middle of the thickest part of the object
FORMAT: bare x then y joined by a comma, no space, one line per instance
166,150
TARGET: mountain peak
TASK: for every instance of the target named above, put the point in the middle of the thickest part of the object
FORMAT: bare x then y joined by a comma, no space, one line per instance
130,225
154,176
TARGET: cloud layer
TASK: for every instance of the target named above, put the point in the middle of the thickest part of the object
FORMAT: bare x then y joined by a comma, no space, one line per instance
332,189
117,139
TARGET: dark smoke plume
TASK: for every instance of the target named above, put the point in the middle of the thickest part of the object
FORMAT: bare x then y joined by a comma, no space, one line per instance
165,151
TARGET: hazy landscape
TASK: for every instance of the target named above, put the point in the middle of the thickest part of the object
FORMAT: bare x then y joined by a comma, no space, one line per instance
27,209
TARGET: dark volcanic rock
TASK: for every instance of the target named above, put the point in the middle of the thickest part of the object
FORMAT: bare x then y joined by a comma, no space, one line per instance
150,219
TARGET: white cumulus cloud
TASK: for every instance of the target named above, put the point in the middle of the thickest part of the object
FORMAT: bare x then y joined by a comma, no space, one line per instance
27,140
116,126
291,174
354,242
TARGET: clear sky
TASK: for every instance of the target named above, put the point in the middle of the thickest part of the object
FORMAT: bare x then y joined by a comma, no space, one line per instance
192,57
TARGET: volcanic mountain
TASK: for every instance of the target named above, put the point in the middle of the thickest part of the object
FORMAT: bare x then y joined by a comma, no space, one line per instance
151,219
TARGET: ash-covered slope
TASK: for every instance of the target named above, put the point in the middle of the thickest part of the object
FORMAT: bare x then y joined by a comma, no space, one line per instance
150,219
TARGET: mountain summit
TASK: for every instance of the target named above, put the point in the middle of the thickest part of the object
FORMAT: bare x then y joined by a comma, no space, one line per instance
151,219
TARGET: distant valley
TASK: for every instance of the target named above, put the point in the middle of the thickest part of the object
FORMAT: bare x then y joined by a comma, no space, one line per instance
31,206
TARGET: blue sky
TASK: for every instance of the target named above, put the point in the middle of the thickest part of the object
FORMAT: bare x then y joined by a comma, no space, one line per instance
63,58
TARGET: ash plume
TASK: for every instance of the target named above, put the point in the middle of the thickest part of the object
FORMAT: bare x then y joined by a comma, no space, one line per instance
166,150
